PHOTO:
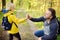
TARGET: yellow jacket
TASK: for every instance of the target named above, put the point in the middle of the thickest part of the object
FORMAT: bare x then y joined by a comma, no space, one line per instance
13,18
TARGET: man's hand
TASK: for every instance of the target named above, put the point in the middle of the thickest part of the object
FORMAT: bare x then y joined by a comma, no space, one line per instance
39,38
29,17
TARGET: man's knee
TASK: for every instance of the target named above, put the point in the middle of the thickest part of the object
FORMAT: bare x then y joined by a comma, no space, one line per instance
39,33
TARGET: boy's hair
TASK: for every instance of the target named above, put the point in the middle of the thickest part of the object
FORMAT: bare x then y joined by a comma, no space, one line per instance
9,5
53,12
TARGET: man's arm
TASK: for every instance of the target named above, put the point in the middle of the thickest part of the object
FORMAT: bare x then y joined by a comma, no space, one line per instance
38,19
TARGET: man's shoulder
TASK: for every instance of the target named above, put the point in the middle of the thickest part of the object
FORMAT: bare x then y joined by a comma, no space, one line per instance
54,24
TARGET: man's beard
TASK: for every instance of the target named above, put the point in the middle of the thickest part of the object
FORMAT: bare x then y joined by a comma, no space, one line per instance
47,18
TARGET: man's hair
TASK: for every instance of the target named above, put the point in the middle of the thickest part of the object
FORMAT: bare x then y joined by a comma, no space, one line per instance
53,12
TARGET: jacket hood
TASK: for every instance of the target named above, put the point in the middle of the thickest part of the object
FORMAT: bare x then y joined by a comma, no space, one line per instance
8,13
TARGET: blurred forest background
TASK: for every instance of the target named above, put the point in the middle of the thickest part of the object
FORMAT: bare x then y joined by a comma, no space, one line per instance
35,8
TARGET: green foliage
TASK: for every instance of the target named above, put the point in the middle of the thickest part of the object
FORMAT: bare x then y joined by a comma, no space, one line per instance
1,15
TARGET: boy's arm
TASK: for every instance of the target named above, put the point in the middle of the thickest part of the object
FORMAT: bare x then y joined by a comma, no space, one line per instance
22,20
16,20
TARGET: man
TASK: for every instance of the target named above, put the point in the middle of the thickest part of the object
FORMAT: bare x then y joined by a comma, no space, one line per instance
50,25
12,18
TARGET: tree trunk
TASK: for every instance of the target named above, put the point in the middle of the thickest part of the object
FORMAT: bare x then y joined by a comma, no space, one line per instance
3,4
11,1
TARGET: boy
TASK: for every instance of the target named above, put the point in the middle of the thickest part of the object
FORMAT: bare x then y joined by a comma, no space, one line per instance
12,18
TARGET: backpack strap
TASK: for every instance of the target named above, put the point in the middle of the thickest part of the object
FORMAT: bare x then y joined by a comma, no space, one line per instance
15,24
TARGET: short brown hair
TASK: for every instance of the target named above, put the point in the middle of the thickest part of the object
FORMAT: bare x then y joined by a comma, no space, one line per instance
53,12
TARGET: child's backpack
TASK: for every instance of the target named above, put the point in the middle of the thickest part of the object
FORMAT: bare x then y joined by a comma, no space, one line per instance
6,25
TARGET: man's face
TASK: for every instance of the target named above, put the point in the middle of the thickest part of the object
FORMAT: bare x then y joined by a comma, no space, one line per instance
47,14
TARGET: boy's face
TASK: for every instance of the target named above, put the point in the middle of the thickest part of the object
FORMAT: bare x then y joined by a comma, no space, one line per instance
12,8
48,14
